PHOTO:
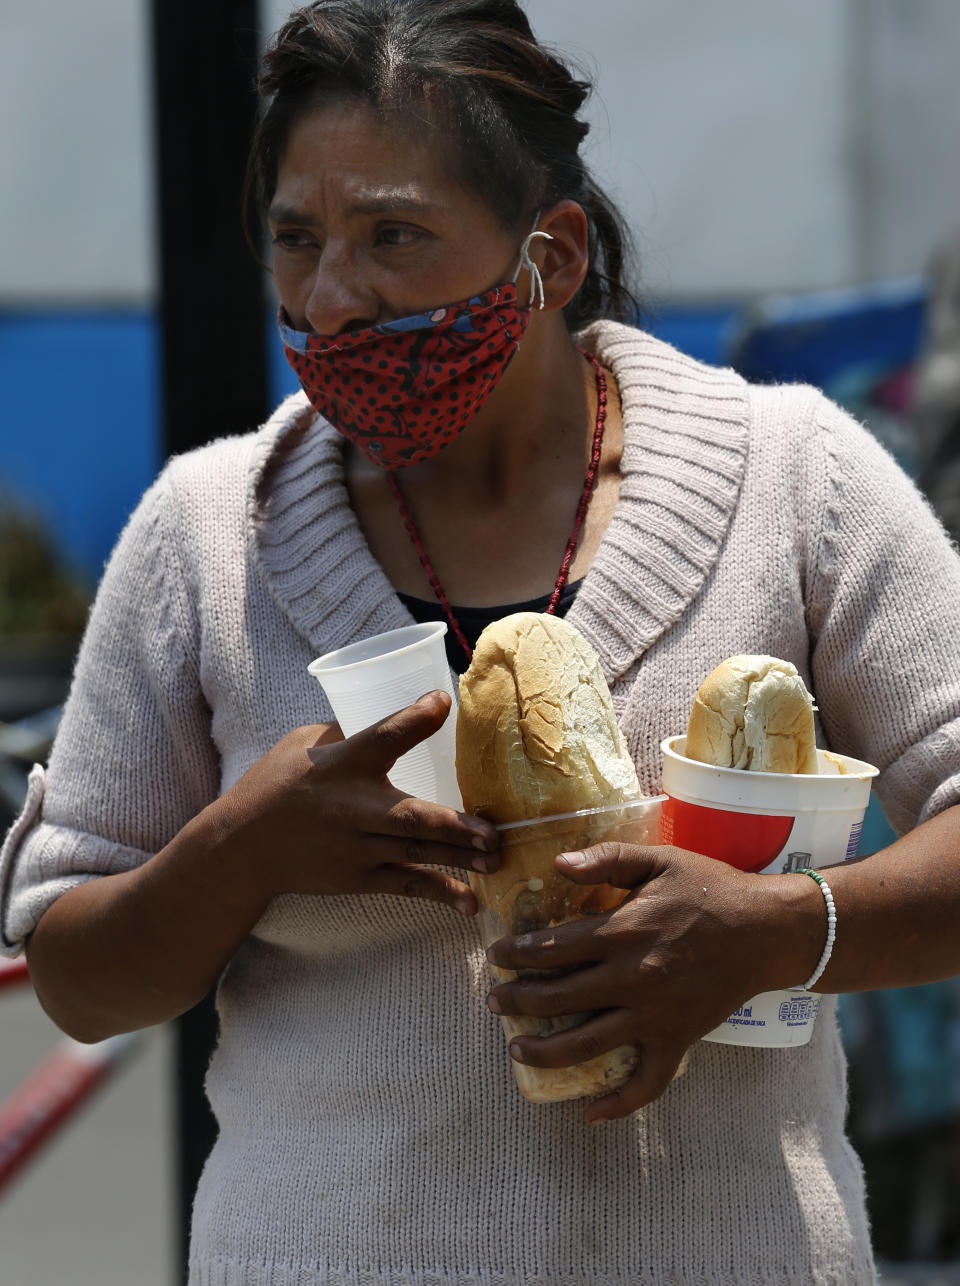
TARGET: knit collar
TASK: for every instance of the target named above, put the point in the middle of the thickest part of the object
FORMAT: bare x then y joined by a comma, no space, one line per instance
684,454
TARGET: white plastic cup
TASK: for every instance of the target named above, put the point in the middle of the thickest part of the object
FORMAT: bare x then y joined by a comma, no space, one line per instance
766,822
376,677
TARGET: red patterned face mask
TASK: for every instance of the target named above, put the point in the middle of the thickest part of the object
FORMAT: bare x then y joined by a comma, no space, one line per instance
403,390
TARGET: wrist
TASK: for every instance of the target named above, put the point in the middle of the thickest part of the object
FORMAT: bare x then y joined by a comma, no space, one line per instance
795,928
219,835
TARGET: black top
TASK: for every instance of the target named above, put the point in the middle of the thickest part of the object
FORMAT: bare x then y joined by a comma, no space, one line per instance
473,620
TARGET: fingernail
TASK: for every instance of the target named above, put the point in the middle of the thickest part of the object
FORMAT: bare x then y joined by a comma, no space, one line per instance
479,842
480,864
428,696
515,1053
574,859
494,1005
597,1120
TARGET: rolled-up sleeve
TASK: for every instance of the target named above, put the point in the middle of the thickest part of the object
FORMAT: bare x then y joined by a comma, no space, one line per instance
133,759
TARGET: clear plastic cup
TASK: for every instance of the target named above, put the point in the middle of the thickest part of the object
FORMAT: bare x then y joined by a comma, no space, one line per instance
528,893
369,680
766,822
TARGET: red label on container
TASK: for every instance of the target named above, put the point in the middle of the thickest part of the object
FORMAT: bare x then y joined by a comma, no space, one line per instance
749,841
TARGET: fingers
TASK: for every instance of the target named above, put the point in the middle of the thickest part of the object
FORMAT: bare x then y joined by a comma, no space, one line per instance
657,1065
366,759
404,880
378,747
568,993
404,848
657,1062
559,947
622,865
598,1035
421,822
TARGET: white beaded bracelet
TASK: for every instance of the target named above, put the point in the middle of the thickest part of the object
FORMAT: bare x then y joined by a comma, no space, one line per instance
831,927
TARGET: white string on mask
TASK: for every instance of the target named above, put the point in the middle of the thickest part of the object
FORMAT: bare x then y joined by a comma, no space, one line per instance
536,281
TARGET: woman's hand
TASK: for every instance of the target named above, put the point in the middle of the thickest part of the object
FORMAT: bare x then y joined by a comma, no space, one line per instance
317,814
692,942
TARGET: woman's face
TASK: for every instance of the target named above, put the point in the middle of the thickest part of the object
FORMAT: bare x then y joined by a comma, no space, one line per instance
368,223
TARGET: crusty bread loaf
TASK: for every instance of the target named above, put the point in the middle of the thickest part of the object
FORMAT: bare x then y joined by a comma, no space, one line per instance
753,712
536,736
536,731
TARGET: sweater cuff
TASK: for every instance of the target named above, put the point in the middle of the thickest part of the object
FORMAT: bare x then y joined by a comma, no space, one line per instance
39,862
29,817
924,781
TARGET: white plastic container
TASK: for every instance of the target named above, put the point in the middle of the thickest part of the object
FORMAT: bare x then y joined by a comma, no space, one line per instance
766,823
376,677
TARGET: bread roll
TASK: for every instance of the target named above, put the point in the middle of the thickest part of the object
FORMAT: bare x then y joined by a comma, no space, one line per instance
536,731
753,712
536,736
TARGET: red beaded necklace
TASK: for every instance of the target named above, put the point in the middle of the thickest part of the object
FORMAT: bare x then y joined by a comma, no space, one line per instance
564,572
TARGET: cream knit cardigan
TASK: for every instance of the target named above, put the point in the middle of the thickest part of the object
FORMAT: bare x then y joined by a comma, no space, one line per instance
371,1132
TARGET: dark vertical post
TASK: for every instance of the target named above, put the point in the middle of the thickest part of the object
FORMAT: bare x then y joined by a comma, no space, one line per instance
212,288
212,339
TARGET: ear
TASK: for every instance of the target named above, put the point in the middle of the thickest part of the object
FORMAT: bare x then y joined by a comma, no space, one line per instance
563,260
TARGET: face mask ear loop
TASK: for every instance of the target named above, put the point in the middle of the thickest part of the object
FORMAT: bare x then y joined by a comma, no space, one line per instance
536,281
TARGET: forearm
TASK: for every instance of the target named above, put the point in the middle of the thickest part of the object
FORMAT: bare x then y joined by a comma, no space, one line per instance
897,914
129,950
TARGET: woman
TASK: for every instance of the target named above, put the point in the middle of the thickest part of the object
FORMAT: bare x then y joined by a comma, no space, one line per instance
201,819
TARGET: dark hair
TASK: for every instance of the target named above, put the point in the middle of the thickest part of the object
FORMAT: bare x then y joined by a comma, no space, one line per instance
512,103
